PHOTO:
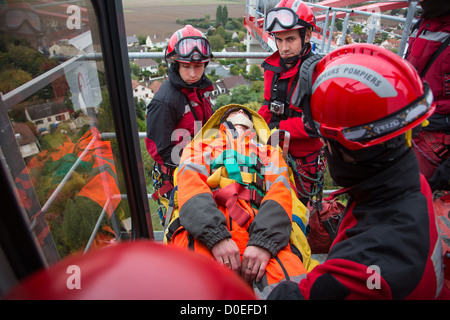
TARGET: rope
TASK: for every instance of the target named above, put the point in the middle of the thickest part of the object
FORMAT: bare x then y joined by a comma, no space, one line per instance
424,154
316,183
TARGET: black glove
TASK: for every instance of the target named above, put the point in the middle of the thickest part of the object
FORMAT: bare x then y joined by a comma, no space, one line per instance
441,177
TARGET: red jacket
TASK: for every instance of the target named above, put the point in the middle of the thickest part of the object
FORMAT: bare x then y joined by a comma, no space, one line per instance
301,144
170,121
423,42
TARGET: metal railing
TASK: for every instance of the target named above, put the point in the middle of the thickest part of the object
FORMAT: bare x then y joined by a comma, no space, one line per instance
328,31
26,90
324,45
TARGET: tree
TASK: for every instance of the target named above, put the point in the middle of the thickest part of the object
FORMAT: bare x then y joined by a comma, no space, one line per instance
357,29
17,113
217,42
141,39
220,31
236,70
222,100
27,59
79,218
213,76
135,70
255,73
255,106
139,106
162,70
242,95
13,78
219,15
258,89
224,15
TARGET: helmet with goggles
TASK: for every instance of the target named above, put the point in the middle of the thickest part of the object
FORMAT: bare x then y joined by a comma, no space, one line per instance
189,45
289,15
362,95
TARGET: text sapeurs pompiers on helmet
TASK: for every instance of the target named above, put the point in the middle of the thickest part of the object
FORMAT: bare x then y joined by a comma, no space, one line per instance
362,95
189,45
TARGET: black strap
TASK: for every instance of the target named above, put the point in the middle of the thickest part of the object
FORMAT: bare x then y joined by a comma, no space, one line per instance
434,56
291,91
172,228
192,109
286,274
303,93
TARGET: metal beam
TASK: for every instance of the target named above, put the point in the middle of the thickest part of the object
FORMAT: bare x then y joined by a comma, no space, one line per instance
26,90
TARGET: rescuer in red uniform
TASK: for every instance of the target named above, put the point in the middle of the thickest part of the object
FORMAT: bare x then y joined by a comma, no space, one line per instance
363,101
429,53
291,23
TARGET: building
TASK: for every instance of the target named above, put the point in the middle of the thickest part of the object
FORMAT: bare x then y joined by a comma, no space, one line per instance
63,49
155,85
217,69
77,45
132,41
390,44
156,41
225,85
140,91
27,141
46,115
147,65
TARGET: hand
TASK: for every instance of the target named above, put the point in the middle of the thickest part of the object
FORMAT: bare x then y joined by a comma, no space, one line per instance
254,263
227,252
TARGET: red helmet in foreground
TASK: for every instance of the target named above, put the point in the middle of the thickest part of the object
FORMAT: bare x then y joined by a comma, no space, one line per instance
134,270
362,95
189,45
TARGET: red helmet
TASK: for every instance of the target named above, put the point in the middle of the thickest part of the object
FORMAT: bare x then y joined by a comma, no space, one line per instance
141,270
362,95
290,15
189,45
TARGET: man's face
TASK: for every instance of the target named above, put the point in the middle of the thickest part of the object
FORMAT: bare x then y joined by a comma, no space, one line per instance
191,72
289,43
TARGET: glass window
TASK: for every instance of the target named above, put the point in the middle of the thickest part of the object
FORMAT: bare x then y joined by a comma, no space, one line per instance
67,173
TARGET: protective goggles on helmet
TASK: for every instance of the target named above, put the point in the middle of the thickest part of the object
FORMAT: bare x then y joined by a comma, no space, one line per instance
369,134
193,49
285,17
14,18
